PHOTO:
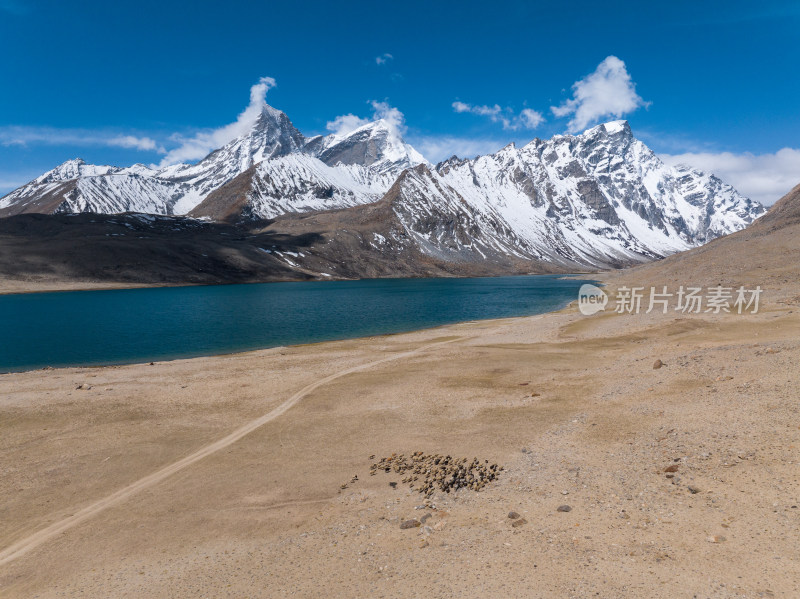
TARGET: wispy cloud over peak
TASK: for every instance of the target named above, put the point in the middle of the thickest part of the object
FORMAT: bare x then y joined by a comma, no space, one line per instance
607,92
391,116
381,110
203,142
345,123
526,119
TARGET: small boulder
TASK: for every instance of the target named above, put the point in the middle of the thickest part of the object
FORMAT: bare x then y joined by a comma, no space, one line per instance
658,364
563,508
406,524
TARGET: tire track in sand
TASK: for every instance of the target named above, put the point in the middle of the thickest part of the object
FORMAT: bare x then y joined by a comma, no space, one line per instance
27,544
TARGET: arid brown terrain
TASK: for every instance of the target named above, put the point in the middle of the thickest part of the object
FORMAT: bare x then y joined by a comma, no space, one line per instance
42,252
649,455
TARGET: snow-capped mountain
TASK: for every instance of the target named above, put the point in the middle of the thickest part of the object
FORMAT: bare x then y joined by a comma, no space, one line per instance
591,200
294,183
348,169
335,171
272,135
75,186
377,145
600,198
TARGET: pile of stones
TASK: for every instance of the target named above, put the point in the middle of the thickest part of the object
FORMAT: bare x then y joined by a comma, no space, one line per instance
428,472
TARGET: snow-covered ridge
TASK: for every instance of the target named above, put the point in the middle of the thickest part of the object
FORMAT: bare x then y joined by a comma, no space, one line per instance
595,199
178,189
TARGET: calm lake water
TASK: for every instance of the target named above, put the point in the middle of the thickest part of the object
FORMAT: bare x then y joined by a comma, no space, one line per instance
80,328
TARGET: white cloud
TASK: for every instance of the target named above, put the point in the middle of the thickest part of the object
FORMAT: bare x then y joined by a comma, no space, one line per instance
136,143
526,119
395,119
438,148
608,92
51,136
345,123
530,118
383,58
762,177
202,143
391,115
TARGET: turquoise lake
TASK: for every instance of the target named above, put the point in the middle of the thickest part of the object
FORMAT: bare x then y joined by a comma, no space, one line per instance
81,328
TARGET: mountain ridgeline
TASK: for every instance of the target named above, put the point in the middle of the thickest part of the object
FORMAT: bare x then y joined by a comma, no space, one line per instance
574,202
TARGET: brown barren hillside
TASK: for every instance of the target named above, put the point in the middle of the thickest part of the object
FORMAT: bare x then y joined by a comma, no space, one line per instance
767,253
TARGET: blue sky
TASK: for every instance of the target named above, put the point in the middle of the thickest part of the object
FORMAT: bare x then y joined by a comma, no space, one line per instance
712,83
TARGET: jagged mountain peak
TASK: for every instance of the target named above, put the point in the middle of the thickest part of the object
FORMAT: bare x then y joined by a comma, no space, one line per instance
377,144
616,127
69,169
272,134
73,169
611,129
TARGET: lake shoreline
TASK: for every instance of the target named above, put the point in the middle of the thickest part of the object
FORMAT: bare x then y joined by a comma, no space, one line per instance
21,287
185,322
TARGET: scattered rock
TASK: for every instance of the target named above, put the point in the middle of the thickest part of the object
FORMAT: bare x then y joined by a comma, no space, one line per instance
406,524
563,508
427,473
424,544
518,522
693,490
425,518
671,468
393,485
658,364
513,515
536,394
716,539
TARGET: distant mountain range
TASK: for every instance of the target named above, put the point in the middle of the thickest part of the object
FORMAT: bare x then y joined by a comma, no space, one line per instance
595,200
